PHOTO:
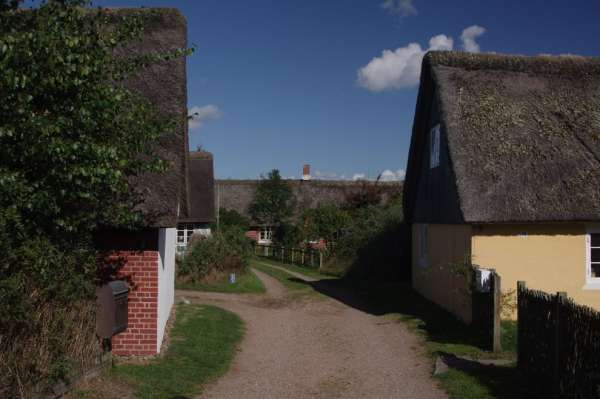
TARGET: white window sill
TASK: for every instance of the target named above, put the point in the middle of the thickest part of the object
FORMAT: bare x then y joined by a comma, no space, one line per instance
592,285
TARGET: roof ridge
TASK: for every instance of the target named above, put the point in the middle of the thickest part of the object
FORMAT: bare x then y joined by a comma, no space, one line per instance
568,64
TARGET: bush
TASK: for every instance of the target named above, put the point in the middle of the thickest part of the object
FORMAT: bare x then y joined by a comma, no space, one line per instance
48,313
224,251
289,235
375,243
232,218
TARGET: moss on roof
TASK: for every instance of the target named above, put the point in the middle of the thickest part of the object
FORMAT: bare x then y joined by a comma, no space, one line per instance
523,134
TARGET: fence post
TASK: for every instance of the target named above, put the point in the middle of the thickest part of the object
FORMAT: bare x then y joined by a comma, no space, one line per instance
293,251
312,257
302,257
558,301
521,286
496,325
282,253
320,260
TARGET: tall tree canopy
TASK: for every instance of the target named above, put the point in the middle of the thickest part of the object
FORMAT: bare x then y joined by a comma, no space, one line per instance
274,200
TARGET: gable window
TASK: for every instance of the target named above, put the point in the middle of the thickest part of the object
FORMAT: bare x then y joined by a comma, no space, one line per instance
434,151
593,258
422,242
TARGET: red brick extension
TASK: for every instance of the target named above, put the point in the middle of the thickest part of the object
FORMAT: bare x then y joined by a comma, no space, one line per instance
141,270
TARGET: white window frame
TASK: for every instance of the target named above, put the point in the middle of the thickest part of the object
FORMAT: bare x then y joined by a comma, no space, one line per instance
265,234
188,230
423,244
434,146
591,283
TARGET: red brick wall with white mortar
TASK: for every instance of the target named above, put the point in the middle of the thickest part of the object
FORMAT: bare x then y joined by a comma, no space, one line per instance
141,270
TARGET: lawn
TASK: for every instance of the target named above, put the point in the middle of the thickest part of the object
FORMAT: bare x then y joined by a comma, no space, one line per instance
203,343
307,271
296,286
246,283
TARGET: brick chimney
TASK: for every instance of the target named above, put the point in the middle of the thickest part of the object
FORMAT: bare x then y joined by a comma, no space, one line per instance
306,172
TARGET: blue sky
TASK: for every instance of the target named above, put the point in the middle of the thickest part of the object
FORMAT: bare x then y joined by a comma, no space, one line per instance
276,85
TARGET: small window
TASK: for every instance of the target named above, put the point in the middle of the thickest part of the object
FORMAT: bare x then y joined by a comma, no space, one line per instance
422,239
266,234
434,154
593,256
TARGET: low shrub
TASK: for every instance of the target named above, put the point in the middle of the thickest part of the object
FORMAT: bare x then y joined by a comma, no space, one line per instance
374,244
225,250
47,333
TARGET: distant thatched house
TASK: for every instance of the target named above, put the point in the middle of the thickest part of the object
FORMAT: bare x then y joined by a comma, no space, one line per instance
238,195
504,169
201,190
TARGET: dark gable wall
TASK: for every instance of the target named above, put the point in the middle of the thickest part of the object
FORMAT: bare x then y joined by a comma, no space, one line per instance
436,197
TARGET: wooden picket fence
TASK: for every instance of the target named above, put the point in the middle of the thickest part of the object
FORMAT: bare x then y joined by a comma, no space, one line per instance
313,258
559,345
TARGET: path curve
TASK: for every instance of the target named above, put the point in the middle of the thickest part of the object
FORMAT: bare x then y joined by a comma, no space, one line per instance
319,348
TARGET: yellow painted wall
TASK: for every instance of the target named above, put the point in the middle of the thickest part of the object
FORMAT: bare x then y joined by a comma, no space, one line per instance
550,257
447,245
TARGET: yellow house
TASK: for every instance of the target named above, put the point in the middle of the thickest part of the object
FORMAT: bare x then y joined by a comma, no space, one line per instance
504,172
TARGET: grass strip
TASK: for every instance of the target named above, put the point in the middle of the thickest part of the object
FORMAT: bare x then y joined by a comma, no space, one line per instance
246,283
307,271
296,287
203,343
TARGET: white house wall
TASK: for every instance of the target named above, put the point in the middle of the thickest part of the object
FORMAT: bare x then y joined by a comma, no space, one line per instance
166,280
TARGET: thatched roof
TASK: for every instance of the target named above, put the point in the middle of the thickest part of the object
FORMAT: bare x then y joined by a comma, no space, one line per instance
201,184
165,86
239,194
522,135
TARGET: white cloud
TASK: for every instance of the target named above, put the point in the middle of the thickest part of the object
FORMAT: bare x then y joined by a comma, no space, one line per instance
403,8
200,115
468,37
386,175
390,175
359,176
321,175
400,68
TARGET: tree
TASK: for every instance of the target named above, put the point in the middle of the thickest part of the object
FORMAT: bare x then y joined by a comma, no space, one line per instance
71,136
325,221
274,201
232,218
72,139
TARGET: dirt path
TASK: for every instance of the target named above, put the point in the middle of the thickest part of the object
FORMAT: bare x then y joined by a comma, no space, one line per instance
319,348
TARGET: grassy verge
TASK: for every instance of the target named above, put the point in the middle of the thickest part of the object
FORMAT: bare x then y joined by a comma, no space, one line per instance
307,271
443,333
246,283
203,343
295,286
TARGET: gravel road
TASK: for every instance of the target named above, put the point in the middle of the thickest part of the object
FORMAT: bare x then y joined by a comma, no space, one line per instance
317,348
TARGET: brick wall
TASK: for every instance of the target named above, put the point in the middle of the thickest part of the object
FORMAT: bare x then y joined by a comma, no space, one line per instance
140,269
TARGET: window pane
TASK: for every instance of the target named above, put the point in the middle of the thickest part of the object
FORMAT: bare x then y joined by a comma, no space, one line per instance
595,270
595,238
595,255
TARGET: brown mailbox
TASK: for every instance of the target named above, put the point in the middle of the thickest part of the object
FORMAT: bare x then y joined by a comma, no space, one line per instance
111,313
